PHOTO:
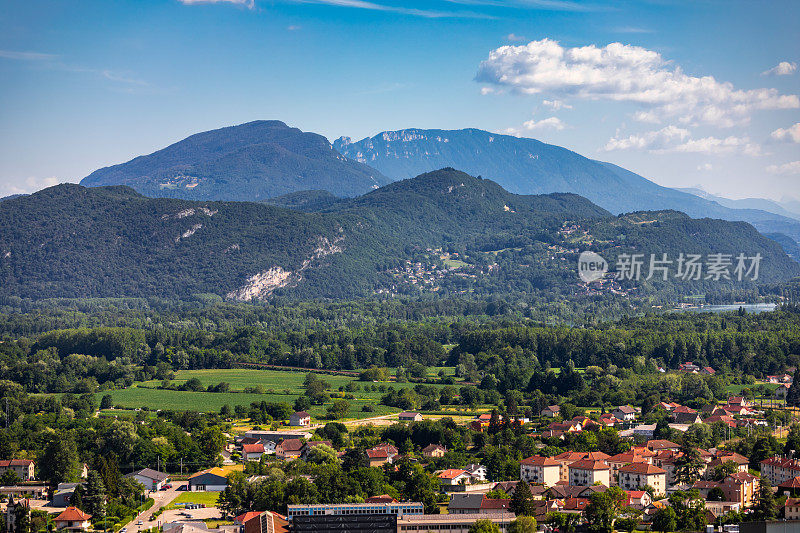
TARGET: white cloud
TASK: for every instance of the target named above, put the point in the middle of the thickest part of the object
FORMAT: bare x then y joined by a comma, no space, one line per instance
784,68
625,73
556,105
26,56
673,139
29,185
785,169
547,123
650,140
705,166
487,90
792,133
514,37
293,27
246,3
372,6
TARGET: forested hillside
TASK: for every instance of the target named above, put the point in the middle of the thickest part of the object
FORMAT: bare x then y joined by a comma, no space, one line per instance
443,233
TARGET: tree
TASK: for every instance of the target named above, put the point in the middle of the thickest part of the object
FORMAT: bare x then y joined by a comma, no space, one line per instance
629,523
522,500
106,402
689,465
523,524
484,526
665,520
94,501
766,509
59,460
793,394
604,508
321,454
302,403
338,409
716,495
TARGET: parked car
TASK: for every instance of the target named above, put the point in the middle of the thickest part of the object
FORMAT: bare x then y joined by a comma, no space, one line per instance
166,487
139,523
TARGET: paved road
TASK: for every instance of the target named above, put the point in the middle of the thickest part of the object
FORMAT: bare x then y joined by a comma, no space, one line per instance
162,498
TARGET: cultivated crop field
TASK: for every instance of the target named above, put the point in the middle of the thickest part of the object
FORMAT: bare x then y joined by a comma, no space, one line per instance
278,386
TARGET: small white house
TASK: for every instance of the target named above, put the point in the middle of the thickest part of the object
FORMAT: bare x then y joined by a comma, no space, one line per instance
300,418
151,479
476,472
625,413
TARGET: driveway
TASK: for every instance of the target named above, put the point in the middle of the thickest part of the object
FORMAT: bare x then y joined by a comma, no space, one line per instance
162,498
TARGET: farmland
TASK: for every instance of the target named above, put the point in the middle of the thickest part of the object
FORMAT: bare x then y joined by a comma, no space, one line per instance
277,386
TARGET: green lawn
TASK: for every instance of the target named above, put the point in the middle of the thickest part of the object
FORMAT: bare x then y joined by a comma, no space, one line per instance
279,386
209,499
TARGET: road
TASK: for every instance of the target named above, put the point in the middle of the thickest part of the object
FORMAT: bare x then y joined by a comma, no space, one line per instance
162,498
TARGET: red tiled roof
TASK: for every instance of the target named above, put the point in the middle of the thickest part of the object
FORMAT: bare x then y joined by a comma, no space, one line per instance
383,498
570,456
499,503
302,414
15,462
642,468
291,445
538,460
661,444
72,514
793,483
242,518
451,473
588,464
253,448
379,453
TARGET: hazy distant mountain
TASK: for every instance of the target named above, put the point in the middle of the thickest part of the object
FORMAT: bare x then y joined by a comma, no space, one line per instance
442,233
252,161
528,166
762,204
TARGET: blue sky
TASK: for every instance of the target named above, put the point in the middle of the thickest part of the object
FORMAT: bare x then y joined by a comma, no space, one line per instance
695,93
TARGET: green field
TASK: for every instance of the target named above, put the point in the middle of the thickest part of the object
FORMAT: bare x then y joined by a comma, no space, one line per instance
279,386
209,499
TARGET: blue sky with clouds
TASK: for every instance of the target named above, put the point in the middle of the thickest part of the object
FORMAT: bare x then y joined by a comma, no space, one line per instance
700,92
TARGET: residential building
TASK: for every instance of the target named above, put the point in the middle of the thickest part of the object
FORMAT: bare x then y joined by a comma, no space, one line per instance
408,416
289,449
476,472
538,469
453,477
73,519
377,457
588,472
253,452
741,487
662,444
779,469
551,411
151,479
15,513
565,459
638,499
636,476
300,418
626,413
473,503
434,450
791,509
23,468
790,487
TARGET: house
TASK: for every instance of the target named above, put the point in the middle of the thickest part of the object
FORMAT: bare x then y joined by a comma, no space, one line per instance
741,487
377,457
408,416
662,444
551,411
151,479
476,472
638,499
707,370
213,479
434,450
644,430
625,413
790,487
636,476
300,418
779,469
16,514
63,494
23,468
634,455
252,452
262,522
289,449
689,367
453,477
721,457
588,472
73,519
564,460
688,418
538,469
791,509
668,406
739,401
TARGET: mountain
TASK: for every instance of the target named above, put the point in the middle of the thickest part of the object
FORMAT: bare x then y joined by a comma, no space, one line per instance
528,166
761,204
442,233
252,161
